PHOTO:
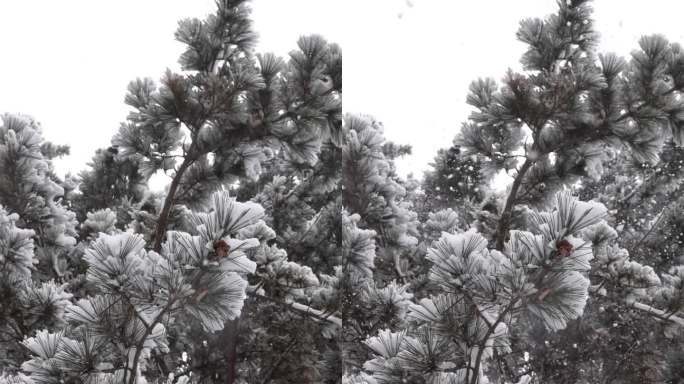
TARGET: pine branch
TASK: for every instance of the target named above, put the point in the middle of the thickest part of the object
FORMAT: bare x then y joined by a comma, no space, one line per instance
229,336
281,358
655,224
490,330
655,312
315,313
648,103
397,268
139,346
616,371
505,219
647,185
163,220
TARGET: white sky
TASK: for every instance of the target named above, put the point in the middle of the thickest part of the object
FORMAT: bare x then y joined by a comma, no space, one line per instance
68,62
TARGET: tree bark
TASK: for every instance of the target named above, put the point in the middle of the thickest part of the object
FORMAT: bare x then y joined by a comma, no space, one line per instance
505,218
163,220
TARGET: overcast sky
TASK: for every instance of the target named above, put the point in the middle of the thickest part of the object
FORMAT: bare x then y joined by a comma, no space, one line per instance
408,63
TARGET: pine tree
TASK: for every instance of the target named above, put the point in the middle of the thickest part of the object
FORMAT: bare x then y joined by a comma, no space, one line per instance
553,126
374,192
287,249
454,180
627,343
37,235
110,182
287,330
379,229
30,189
483,292
453,193
26,305
303,205
225,120
230,110
141,293
230,114
644,199
571,103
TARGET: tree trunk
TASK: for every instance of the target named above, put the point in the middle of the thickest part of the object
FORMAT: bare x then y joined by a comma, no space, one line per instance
163,220
505,219
228,339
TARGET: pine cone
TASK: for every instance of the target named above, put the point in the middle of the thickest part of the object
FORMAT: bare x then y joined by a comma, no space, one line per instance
221,249
564,248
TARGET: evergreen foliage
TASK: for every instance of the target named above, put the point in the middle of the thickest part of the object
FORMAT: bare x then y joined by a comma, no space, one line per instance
287,249
31,191
574,119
